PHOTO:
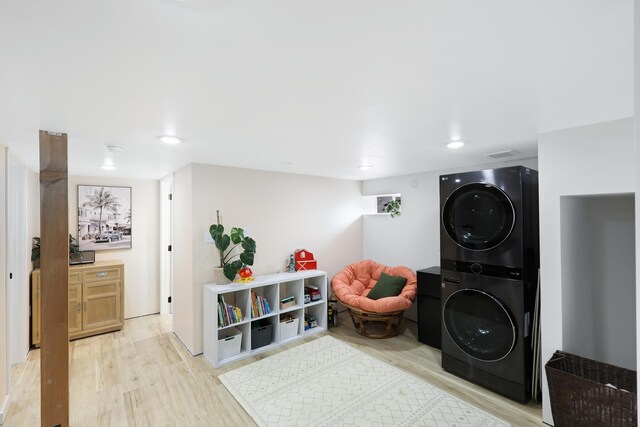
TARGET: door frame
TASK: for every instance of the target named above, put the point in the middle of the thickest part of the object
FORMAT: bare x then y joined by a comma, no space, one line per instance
17,289
166,239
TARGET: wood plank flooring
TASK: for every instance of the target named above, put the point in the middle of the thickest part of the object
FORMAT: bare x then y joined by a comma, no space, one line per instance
144,376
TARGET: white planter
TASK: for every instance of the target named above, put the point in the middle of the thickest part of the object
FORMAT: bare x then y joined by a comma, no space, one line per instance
219,278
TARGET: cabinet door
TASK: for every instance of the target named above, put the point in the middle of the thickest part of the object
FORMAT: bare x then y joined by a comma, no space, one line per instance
75,308
35,308
101,304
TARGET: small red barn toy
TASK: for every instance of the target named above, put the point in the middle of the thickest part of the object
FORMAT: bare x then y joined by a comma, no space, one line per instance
304,260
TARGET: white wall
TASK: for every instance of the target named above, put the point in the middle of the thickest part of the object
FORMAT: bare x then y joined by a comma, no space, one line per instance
142,261
4,374
282,212
413,238
577,300
598,278
593,159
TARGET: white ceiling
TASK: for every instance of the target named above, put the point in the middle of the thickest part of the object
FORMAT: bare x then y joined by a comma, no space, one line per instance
313,87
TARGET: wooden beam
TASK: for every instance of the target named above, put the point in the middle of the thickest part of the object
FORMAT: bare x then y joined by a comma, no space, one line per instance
54,269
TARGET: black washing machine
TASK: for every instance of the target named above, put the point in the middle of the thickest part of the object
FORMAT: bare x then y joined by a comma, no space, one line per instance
486,332
489,248
489,223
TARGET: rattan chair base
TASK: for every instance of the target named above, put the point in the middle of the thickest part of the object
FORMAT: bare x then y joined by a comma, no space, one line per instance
360,318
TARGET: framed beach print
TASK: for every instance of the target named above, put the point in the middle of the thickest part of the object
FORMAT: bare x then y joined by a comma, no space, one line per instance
104,217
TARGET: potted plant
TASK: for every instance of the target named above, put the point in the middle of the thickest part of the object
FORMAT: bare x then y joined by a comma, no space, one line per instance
393,207
232,260
35,249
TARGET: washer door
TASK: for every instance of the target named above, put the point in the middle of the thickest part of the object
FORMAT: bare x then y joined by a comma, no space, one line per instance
479,325
478,216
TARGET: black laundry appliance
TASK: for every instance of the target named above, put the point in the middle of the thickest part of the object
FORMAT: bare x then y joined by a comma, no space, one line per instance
489,246
486,332
489,222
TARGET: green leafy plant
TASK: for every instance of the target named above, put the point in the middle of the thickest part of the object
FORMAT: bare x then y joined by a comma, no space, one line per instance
74,248
231,260
393,207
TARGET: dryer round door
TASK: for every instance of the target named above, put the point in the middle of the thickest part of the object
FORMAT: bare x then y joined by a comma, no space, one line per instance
479,325
478,216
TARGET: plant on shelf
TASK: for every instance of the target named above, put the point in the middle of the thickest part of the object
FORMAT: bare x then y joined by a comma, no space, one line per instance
35,249
232,261
393,207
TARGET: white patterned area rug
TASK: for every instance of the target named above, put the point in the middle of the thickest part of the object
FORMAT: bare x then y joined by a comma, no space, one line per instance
329,383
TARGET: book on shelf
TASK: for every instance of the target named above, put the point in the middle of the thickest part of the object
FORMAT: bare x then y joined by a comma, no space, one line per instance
259,305
227,313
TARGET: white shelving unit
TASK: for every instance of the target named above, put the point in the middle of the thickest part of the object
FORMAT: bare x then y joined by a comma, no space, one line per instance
272,287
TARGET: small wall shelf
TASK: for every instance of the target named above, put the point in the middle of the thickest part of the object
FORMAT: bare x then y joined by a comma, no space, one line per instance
375,203
221,343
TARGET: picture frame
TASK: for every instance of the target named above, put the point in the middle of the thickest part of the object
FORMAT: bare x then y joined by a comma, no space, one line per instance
104,217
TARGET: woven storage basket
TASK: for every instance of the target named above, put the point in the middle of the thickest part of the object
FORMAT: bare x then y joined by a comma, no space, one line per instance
580,395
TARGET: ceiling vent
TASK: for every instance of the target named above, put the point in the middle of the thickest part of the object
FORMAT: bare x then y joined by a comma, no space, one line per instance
115,148
502,154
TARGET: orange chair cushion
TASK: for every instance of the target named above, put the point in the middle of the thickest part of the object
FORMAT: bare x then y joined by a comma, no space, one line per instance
355,281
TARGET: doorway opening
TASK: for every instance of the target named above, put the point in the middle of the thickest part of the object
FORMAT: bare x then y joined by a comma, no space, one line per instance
17,253
599,277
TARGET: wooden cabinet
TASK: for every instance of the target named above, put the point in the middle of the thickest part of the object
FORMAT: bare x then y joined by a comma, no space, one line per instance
75,308
96,300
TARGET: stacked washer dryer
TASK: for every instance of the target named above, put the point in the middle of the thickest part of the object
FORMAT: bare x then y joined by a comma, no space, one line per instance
489,249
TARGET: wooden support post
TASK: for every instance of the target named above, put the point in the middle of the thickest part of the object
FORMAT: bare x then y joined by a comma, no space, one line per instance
54,269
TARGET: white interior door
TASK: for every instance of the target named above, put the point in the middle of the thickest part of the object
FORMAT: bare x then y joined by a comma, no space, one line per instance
17,288
166,239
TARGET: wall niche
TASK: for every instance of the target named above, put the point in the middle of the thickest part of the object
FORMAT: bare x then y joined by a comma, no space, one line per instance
598,277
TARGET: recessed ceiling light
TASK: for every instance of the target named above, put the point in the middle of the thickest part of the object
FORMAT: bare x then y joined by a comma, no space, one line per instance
455,144
108,167
365,167
115,148
170,139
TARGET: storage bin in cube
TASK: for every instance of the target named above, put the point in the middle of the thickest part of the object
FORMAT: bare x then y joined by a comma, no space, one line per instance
229,342
261,333
289,301
289,328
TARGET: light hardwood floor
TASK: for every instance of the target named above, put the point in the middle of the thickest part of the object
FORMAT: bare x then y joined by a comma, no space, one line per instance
144,376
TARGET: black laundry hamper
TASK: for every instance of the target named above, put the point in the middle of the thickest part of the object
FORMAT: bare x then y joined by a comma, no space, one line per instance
584,392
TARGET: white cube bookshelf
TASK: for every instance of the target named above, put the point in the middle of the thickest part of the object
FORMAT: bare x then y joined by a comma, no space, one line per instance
272,287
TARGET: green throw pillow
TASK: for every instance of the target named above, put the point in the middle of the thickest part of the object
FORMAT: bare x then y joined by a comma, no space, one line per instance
387,286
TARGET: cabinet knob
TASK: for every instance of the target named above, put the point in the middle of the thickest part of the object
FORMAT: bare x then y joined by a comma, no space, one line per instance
101,274
78,307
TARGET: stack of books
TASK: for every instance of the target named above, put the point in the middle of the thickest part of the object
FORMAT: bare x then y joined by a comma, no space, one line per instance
227,314
259,305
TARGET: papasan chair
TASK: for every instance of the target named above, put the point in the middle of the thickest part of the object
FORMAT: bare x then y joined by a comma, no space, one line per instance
354,288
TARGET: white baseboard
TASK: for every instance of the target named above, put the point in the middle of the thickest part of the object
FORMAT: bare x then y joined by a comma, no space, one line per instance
4,408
